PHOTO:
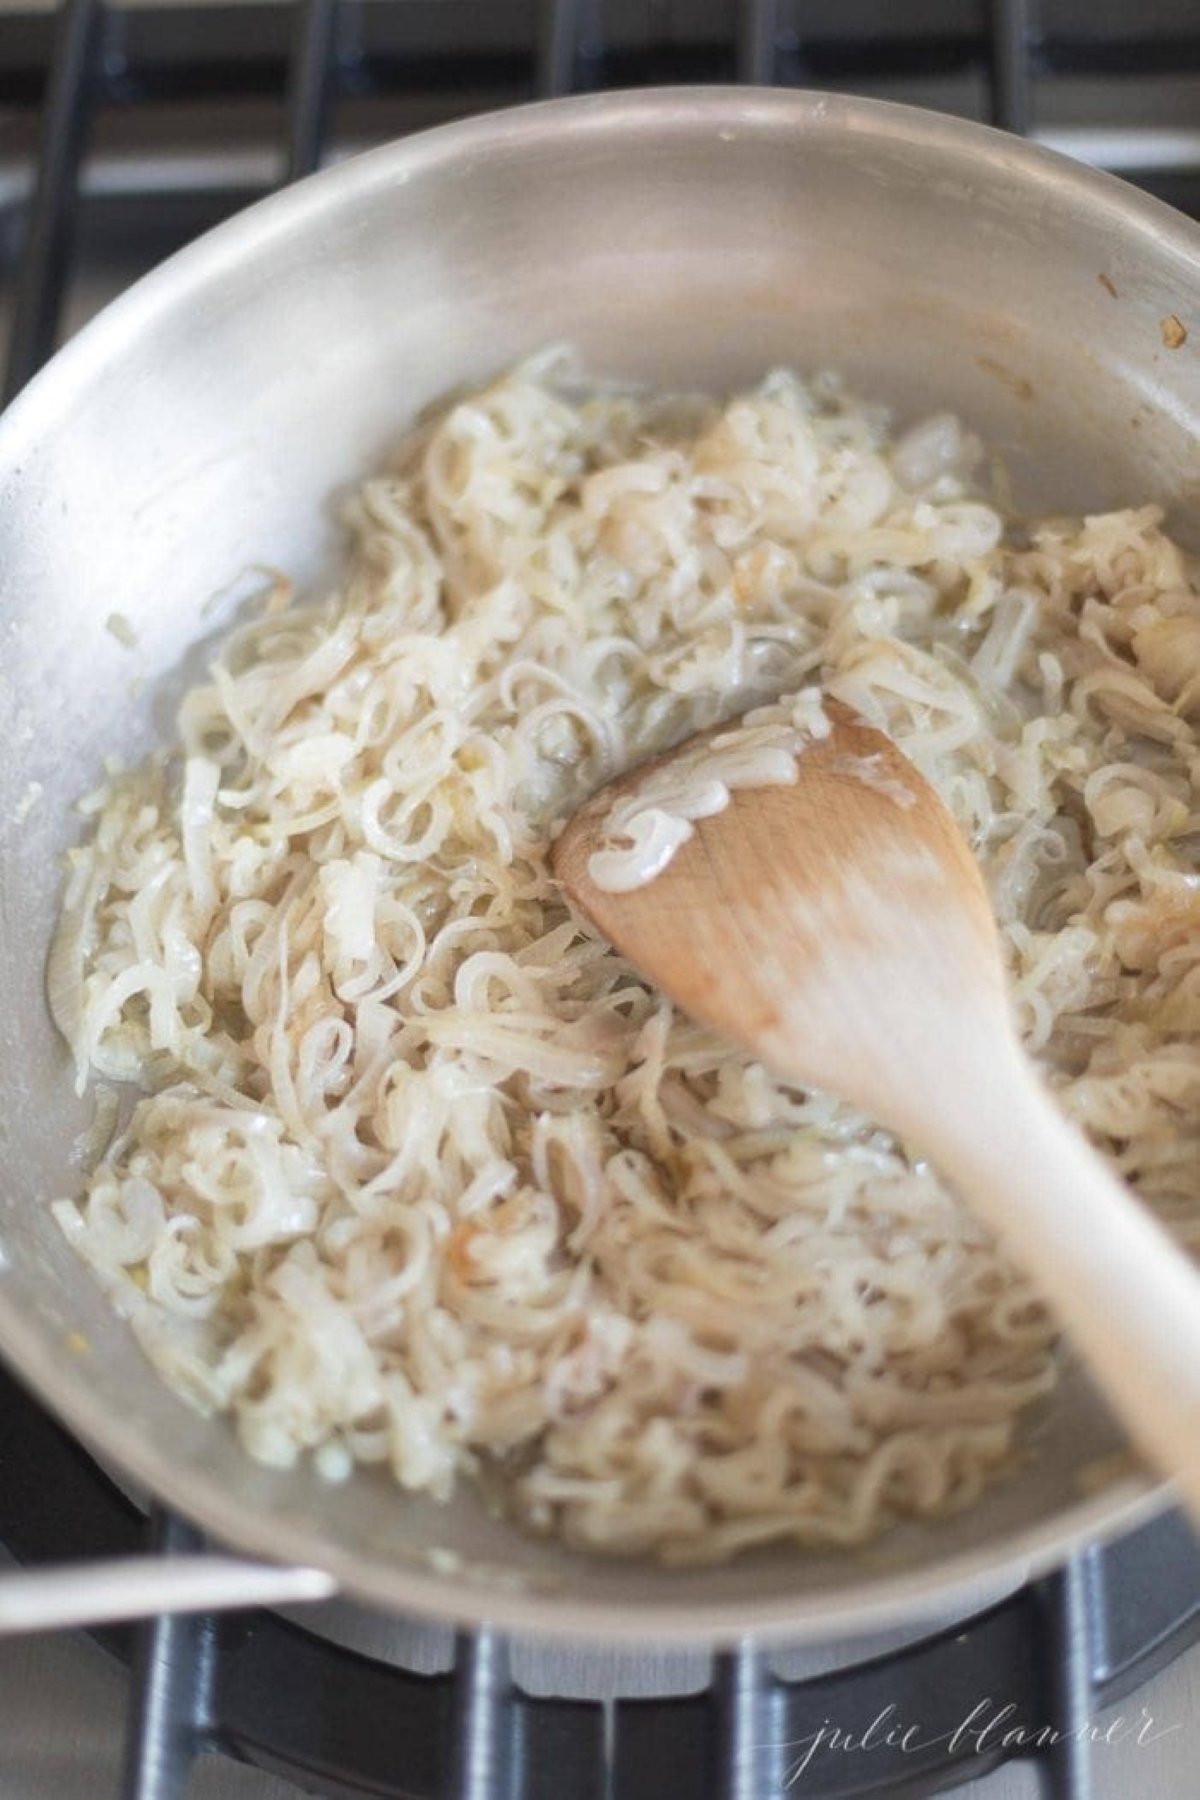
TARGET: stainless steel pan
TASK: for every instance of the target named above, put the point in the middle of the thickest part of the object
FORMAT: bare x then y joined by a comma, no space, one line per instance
200,426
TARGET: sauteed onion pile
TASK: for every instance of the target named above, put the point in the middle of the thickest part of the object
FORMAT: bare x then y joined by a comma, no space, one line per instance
421,1173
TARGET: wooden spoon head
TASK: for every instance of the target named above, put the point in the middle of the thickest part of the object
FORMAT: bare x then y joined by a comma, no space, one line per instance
838,928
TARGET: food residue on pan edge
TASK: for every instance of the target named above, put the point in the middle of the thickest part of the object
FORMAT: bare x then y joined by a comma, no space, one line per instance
1174,331
1020,385
119,627
25,805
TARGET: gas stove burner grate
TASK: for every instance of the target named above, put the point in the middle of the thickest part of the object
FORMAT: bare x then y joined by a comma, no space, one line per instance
255,1686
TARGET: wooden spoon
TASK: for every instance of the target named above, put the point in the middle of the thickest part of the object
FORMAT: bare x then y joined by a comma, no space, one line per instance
842,934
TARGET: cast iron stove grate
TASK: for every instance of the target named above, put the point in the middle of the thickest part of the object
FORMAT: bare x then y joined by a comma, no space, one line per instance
255,1686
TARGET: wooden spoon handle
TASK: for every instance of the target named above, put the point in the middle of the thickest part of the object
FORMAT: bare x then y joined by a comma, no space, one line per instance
1125,1293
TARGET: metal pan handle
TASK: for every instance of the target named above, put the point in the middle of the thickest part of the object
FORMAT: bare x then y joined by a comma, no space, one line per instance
135,1587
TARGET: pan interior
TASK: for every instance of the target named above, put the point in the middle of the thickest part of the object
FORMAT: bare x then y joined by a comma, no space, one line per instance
199,430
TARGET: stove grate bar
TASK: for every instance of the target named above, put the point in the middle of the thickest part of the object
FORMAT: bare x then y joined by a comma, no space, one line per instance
1010,70
1067,1609
744,1740
311,76
168,1715
49,231
758,41
485,1760
561,28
